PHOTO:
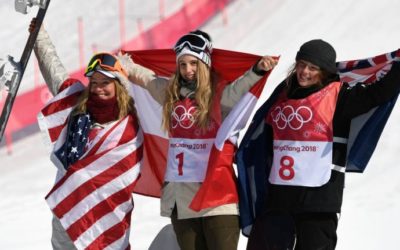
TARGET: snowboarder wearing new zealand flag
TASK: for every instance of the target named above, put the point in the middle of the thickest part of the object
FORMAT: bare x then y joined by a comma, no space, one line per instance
292,160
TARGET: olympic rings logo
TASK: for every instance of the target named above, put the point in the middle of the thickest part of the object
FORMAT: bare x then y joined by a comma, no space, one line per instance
183,117
288,116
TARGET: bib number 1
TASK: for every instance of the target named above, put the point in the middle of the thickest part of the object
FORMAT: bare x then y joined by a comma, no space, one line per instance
180,163
286,170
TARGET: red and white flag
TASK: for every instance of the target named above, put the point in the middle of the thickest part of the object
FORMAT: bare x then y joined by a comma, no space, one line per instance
219,187
92,198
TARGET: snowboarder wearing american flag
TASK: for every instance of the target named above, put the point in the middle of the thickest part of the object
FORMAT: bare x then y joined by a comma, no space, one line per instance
324,119
96,146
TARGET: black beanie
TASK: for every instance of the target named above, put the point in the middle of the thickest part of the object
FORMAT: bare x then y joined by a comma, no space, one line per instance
320,53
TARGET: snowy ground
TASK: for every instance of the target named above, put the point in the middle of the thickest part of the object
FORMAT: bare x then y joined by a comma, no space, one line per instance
370,216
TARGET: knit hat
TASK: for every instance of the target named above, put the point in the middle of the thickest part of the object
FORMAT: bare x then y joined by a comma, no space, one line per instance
195,43
320,53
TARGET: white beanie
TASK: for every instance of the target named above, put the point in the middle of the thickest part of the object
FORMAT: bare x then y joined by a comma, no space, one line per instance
195,43
203,56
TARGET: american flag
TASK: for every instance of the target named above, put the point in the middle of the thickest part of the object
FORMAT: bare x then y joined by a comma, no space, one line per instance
92,197
76,140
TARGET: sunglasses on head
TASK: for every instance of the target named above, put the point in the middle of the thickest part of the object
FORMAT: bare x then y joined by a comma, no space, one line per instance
195,42
106,61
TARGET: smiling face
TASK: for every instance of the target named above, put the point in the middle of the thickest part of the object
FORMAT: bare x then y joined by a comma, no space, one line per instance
188,67
307,73
102,86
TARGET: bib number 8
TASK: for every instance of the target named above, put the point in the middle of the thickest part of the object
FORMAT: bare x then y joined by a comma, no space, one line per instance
286,171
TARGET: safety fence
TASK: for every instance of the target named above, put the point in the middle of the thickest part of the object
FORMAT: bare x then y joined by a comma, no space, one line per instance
192,15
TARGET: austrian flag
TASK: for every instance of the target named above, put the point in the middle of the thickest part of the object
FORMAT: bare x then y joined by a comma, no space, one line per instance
219,186
92,194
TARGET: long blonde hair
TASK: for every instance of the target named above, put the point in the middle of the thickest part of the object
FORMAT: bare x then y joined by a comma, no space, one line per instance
124,100
203,96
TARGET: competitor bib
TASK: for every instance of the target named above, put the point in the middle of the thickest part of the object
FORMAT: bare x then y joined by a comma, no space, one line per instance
303,138
188,159
189,145
301,163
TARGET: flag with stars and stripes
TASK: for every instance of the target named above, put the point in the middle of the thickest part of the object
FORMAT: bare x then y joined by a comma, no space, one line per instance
92,196
76,140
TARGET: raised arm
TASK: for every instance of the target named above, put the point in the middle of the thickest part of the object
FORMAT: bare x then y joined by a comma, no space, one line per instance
361,98
234,91
52,69
145,78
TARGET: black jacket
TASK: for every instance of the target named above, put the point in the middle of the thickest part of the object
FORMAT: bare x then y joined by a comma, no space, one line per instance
352,101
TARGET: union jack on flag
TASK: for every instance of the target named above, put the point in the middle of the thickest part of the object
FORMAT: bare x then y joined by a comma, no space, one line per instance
365,131
371,124
92,198
367,70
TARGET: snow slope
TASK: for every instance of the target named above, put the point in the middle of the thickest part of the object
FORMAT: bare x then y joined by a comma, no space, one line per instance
99,21
357,29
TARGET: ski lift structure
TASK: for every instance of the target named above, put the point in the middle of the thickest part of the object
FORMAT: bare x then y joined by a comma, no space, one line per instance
11,71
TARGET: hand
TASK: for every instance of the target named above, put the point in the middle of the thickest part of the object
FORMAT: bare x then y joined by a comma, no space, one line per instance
266,63
32,25
126,62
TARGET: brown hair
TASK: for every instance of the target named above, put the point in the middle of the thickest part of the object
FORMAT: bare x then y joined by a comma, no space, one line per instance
203,96
324,76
